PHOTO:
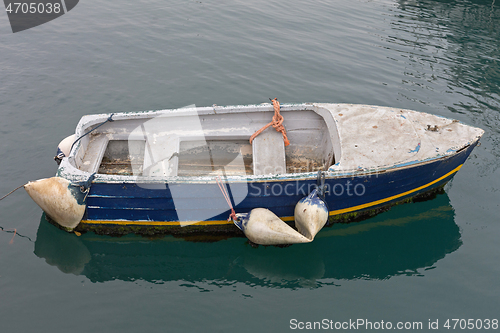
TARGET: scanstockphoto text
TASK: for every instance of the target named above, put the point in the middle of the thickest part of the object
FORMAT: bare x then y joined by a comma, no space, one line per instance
366,324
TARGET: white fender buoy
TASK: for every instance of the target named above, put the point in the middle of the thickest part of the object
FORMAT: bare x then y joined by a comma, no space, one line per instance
261,226
59,199
311,215
65,145
64,148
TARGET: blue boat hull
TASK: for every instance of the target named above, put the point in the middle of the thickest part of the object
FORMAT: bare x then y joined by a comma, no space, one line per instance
122,208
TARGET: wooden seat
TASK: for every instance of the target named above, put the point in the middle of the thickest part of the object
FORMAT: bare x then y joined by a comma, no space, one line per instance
94,153
268,151
161,158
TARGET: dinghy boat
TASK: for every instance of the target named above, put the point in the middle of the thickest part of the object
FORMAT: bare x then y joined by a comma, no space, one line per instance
155,171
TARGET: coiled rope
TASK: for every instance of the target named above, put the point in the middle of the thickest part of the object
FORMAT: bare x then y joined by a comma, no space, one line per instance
277,123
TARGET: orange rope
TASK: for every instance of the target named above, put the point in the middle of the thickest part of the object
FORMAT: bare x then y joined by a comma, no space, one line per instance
277,123
12,240
232,215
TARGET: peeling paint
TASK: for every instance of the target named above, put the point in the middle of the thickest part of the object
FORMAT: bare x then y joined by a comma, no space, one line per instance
417,148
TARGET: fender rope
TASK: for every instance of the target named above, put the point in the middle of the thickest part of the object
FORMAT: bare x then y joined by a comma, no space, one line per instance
277,123
228,200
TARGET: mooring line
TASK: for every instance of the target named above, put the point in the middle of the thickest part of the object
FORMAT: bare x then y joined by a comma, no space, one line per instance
14,230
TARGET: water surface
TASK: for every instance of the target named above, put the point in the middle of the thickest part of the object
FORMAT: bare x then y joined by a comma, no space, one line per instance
429,260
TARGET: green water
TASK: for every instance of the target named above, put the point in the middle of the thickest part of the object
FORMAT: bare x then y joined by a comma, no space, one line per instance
432,260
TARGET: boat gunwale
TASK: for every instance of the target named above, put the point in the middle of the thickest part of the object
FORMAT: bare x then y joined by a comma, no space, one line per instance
118,179
69,171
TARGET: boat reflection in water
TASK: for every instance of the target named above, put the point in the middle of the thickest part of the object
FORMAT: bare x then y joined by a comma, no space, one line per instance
404,241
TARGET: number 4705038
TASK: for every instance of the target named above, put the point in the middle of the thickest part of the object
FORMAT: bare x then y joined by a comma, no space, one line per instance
471,324
33,8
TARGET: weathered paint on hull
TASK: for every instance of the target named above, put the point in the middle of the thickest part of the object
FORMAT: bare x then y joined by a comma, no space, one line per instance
124,208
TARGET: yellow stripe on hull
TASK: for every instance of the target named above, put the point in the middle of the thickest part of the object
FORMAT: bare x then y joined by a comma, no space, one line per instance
158,223
378,202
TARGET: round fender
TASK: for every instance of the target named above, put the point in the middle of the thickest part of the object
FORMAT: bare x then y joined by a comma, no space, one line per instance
311,215
63,148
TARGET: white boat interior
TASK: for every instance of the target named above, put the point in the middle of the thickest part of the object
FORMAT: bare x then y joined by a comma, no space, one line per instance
191,142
